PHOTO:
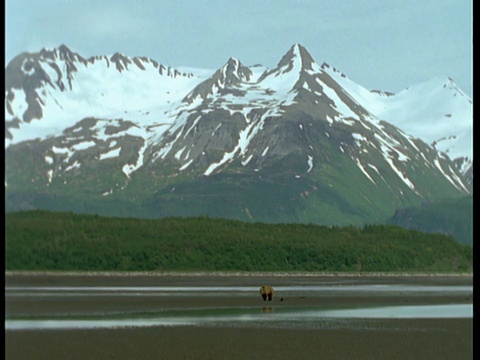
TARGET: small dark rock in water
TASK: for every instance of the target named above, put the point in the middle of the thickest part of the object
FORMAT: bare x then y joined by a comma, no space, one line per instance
281,299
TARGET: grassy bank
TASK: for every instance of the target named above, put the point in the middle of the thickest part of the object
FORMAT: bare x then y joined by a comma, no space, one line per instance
41,240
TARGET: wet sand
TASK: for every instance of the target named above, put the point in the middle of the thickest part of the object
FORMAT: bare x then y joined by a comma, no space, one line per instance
396,339
367,339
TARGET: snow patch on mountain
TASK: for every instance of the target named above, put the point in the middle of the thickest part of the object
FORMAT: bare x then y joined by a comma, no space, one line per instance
454,180
110,154
362,168
100,90
436,111
310,163
240,149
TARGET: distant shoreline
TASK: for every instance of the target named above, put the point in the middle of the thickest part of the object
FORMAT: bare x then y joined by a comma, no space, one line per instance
233,274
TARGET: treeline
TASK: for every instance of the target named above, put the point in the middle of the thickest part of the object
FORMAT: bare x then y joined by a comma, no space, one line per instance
42,240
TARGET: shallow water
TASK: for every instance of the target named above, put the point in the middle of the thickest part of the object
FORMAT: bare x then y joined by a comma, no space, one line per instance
245,316
228,290
294,317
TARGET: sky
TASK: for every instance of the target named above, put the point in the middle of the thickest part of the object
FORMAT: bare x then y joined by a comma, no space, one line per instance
380,44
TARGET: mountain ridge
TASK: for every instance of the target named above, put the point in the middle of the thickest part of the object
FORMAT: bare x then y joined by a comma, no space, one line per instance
122,62
156,131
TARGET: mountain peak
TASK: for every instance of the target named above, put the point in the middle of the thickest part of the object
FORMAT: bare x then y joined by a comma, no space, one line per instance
233,60
232,74
64,49
235,72
62,52
439,83
297,54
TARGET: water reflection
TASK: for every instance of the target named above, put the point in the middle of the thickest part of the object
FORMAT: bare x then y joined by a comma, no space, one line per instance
294,317
267,309
401,312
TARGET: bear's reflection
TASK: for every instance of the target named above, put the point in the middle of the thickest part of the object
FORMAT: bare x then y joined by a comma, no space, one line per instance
267,309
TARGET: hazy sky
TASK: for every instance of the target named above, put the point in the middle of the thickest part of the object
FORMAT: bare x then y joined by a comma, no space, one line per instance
384,44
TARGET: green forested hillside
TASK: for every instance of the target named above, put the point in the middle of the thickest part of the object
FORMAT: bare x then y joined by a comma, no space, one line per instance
41,240
449,216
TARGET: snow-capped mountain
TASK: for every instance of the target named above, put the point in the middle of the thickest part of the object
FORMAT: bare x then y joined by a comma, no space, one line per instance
436,111
299,142
52,90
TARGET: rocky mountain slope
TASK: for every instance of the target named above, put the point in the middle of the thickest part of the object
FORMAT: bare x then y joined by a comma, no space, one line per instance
130,137
436,111
446,216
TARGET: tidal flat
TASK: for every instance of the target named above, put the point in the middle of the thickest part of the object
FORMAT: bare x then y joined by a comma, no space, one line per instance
201,316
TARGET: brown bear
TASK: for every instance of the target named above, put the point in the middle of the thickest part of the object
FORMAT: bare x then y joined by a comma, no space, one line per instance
267,292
